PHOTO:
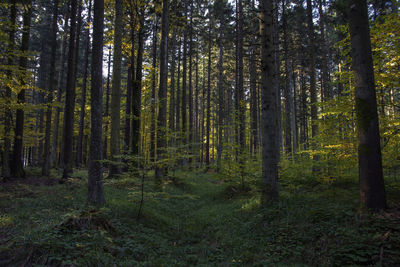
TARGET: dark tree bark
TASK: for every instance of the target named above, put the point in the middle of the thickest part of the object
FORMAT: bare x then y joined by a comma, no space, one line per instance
69,97
153,95
184,72
60,84
270,150
115,149
131,78
171,115
220,95
17,167
178,92
136,92
313,89
208,126
107,107
6,172
190,93
161,171
240,91
288,85
51,81
95,181
372,188
79,152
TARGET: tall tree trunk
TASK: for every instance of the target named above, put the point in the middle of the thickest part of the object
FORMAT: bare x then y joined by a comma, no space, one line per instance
17,169
136,92
326,91
270,149
6,172
161,171
372,188
115,149
184,72
95,180
129,89
220,96
190,94
79,152
69,97
107,108
288,85
242,104
178,92
153,95
171,115
207,148
313,90
60,85
51,81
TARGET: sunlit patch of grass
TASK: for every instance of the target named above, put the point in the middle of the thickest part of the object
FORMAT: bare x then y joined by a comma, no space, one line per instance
6,220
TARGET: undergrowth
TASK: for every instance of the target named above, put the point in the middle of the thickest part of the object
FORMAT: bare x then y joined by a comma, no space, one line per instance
198,219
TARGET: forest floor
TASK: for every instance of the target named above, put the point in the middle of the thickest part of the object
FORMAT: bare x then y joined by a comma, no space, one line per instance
198,219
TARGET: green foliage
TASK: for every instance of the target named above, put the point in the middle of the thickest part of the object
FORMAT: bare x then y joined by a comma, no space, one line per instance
313,224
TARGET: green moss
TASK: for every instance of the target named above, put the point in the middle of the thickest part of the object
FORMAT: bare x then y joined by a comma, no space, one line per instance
364,113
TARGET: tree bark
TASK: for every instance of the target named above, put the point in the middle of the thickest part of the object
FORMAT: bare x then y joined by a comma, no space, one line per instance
136,92
79,152
95,180
161,170
107,108
6,172
115,146
51,81
69,97
60,85
270,150
153,96
208,125
17,165
372,188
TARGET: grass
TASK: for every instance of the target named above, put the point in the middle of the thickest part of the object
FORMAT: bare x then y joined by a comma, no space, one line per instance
195,220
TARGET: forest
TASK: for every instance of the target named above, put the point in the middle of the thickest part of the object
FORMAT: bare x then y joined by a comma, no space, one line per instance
200,133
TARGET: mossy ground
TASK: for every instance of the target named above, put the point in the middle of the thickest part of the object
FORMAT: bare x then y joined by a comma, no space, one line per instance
196,220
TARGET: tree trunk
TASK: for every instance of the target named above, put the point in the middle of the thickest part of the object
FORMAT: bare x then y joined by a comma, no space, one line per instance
95,180
207,148
372,188
270,149
60,85
184,72
190,94
69,97
51,81
17,169
220,97
83,95
136,92
242,104
288,86
6,172
115,149
313,90
161,171
171,115
129,89
153,96
105,146
178,92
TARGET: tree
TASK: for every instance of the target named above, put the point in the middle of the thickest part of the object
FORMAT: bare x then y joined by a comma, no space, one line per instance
17,169
68,125
95,180
270,140
372,189
116,90
160,171
51,81
6,172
